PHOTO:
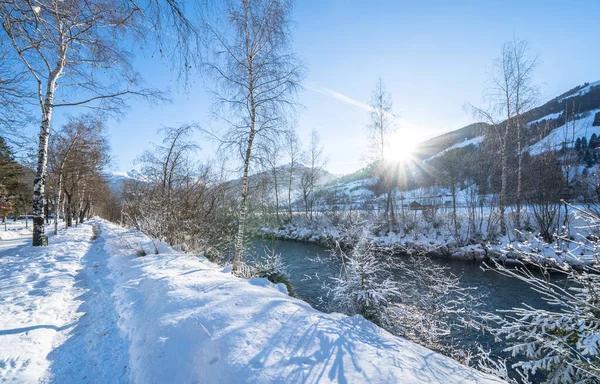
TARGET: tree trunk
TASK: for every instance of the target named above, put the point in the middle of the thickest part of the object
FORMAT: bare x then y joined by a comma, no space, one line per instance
39,181
519,172
453,191
504,179
290,213
239,242
276,194
56,209
69,213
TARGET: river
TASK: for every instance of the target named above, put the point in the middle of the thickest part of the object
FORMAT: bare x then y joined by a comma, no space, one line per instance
499,292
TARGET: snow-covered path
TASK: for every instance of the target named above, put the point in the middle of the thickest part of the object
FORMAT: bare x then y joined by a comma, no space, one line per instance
94,352
38,301
83,311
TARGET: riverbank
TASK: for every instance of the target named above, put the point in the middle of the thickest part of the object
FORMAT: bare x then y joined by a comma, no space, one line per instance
510,249
90,308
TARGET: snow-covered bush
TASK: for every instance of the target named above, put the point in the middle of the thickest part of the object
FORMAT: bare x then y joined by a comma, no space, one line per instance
364,285
563,343
271,266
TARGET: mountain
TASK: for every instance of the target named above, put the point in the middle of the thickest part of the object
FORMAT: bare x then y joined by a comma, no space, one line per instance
570,118
282,173
116,180
444,141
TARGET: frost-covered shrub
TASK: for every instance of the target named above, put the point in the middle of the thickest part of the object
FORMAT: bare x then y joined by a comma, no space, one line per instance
563,343
272,267
364,285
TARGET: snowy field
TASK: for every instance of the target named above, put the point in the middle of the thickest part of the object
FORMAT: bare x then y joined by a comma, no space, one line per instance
91,311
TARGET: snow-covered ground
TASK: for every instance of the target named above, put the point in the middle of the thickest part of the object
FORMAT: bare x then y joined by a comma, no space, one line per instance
91,311
16,231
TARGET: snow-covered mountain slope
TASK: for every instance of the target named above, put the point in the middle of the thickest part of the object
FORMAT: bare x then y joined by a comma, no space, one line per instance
465,143
582,91
117,179
91,311
566,134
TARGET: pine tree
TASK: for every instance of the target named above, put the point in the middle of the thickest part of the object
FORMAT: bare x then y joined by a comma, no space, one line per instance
11,173
593,142
589,161
596,122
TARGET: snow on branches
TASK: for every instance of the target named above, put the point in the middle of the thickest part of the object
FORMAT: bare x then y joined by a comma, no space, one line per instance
562,343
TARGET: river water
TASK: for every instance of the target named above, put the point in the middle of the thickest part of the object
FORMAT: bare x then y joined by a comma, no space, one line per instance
499,292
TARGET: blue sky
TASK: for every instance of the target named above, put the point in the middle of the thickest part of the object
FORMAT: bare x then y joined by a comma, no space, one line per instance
433,57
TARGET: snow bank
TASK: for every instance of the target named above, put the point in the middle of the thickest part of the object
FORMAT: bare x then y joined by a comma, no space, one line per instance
188,320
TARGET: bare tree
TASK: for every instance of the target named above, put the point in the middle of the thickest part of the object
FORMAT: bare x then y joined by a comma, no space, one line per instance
257,76
272,157
511,93
525,96
78,154
502,94
293,149
79,134
381,130
311,177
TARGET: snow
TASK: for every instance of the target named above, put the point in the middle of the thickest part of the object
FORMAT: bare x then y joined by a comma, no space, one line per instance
84,311
39,302
15,230
556,137
547,117
465,143
582,91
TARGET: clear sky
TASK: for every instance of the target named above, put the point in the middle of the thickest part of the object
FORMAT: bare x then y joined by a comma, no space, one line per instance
432,55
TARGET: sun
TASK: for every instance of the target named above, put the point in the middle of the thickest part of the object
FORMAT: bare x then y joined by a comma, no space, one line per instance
402,147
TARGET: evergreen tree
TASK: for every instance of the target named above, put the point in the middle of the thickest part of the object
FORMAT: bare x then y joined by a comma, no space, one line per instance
596,122
578,144
587,158
593,142
10,171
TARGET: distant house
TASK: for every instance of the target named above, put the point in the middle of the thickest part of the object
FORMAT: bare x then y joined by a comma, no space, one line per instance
416,206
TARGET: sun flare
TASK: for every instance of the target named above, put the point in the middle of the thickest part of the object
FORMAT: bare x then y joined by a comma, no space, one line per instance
402,147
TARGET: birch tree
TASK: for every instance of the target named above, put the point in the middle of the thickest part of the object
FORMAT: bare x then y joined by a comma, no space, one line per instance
525,96
511,93
257,76
272,157
293,149
76,53
381,130
502,94
311,177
